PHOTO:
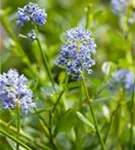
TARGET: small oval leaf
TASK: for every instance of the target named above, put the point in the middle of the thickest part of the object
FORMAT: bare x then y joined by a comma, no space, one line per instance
84,119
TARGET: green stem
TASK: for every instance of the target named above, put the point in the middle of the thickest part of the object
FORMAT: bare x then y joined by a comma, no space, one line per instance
43,123
18,125
53,110
47,130
50,131
51,118
132,118
0,67
93,115
111,121
14,139
44,57
23,135
57,101
88,16
88,20
61,94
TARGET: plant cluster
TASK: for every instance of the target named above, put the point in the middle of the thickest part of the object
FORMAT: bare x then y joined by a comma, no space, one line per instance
76,96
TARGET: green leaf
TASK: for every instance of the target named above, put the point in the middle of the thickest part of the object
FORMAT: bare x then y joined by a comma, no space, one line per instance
66,122
49,90
84,119
101,100
33,83
108,67
100,89
61,77
4,56
97,13
13,144
73,85
14,139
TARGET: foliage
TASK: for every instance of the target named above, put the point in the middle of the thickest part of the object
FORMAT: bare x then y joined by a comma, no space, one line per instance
95,111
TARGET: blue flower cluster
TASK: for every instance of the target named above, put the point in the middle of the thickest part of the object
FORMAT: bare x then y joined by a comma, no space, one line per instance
14,91
119,5
31,12
75,54
32,35
122,79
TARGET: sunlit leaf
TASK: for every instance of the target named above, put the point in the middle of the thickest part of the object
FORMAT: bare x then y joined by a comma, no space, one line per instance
84,119
13,144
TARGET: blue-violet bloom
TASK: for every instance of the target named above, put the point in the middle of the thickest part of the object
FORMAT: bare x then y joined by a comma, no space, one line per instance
32,35
14,91
75,54
122,78
119,6
31,12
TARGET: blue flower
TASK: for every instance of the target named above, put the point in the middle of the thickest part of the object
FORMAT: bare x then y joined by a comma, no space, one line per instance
32,35
119,6
31,12
14,91
122,78
75,54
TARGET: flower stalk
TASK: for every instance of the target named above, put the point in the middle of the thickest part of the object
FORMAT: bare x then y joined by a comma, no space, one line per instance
93,115
132,118
18,125
44,57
